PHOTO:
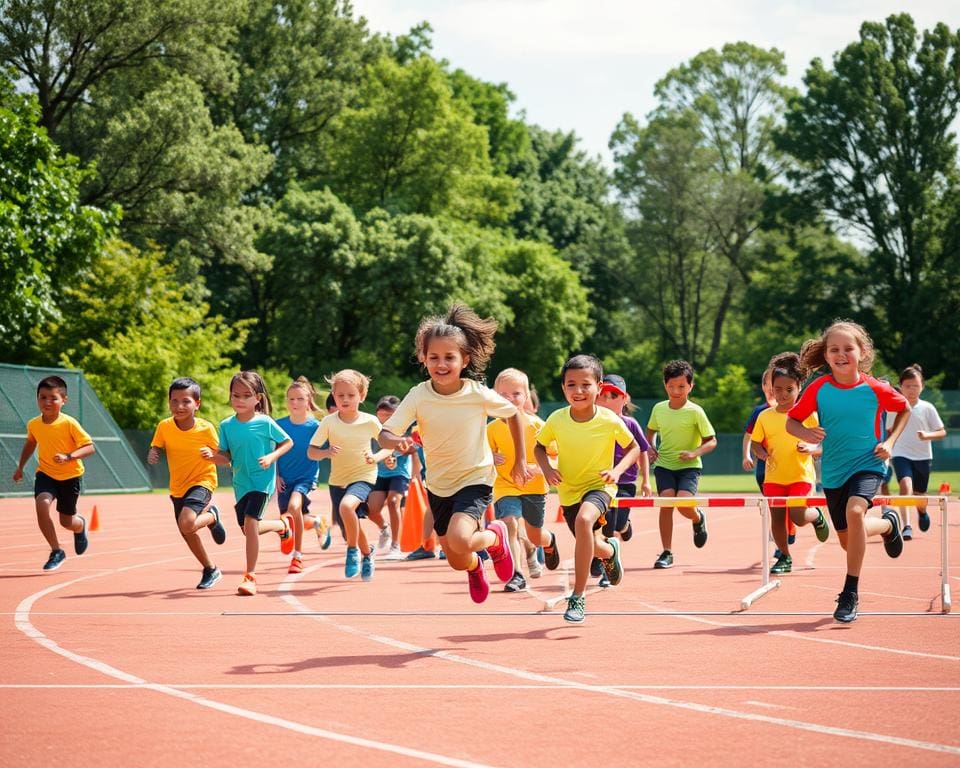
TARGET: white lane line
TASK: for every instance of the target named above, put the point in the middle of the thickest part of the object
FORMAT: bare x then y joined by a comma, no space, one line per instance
522,674
22,622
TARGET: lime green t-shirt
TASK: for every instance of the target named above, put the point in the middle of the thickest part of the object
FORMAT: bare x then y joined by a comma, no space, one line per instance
679,430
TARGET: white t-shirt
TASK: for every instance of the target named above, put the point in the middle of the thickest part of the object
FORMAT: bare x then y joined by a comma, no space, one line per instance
923,417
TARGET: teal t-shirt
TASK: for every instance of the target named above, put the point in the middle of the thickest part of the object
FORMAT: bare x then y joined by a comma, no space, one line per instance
246,442
679,430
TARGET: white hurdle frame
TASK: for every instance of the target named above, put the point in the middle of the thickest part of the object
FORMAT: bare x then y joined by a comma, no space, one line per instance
765,504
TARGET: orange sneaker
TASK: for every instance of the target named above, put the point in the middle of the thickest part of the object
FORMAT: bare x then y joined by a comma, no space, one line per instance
286,536
296,566
248,586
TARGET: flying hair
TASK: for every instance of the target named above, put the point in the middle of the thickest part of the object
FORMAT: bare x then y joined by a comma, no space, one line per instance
813,351
473,335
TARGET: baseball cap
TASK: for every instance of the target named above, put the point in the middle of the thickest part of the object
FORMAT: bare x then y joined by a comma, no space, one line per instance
614,383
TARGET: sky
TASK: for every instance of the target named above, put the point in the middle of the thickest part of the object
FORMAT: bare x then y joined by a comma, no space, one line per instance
579,66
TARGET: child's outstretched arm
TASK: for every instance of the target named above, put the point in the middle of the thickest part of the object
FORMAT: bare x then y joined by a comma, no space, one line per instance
318,454
707,444
630,458
29,446
652,451
884,450
520,474
393,442
543,460
807,434
376,458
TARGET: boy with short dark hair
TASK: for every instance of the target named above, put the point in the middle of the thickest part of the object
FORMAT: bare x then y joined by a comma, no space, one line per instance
190,444
62,443
685,434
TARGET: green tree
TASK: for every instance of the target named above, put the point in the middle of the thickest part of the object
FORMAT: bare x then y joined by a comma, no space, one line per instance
132,327
46,236
875,134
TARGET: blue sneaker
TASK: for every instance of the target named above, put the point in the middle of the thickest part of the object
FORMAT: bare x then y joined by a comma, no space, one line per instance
80,539
576,609
367,567
55,560
217,530
421,554
351,566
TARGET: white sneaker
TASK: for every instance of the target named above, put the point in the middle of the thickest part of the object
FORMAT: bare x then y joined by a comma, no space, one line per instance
384,541
394,553
534,566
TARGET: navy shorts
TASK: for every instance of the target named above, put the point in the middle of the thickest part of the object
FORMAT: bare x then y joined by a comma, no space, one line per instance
360,490
866,485
532,507
677,480
600,499
196,499
66,492
251,505
303,487
916,469
618,517
470,500
396,483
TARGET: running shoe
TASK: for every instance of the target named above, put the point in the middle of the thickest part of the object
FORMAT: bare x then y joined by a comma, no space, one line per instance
784,564
477,581
576,609
533,565
210,577
700,530
296,565
627,533
286,535
351,566
394,553
893,541
907,532
923,521
596,567
55,560
80,539
604,581
500,551
367,567
217,531
248,586
847,603
551,555
665,560
612,565
324,538
516,584
421,554
820,526
383,542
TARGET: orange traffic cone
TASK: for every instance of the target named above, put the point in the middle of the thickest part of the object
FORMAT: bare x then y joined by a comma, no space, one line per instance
94,524
411,527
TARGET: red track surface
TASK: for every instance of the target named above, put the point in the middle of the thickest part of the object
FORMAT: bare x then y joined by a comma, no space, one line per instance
115,659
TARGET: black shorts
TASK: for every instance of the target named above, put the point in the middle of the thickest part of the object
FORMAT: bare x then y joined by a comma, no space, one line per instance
600,499
618,517
470,500
866,485
66,492
397,483
916,469
196,499
677,480
251,505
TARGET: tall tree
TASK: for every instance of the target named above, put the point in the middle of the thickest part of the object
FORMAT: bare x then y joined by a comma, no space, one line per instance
876,136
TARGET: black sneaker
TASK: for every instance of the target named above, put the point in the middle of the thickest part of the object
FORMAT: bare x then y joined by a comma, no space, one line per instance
551,555
55,560
700,530
516,584
80,542
612,565
210,577
604,582
893,541
784,564
665,560
907,533
923,521
627,533
217,530
846,607
596,567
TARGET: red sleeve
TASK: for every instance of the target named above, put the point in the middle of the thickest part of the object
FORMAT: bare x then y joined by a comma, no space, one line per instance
890,400
807,404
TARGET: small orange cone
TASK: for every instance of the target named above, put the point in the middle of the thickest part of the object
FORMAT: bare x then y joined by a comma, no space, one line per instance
411,527
94,524
944,489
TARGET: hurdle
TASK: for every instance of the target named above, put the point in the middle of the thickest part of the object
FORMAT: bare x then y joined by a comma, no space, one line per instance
765,504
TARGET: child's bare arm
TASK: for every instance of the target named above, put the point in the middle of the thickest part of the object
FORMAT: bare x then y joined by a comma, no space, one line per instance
519,473
543,460
630,458
707,444
29,446
276,453
77,453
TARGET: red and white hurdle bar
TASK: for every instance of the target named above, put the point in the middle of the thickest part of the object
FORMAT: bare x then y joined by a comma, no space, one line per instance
764,505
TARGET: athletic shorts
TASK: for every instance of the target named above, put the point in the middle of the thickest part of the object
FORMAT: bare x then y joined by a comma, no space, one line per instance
396,483
196,499
470,500
360,490
303,487
532,507
866,485
251,505
917,469
66,492
677,480
619,517
599,499
780,490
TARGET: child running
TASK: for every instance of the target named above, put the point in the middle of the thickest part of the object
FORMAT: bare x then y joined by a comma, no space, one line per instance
250,443
296,472
451,411
913,453
849,403
585,436
353,466
789,464
685,434
514,502
62,443
393,480
191,444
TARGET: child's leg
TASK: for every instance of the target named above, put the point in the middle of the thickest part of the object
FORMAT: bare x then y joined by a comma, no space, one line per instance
428,528
666,521
295,510
375,502
587,545
394,499
71,522
190,521
513,537
778,526
539,537
463,539
196,547
251,535
351,523
43,504
906,489
187,524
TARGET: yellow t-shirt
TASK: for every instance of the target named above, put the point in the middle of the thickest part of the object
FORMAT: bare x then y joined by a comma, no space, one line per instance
786,464
584,449
63,435
349,466
182,446
453,429
498,435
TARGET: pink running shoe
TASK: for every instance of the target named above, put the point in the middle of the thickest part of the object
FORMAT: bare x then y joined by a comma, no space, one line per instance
479,589
500,552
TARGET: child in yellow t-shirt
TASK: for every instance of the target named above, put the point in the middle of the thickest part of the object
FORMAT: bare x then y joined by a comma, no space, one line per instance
512,502
789,469
62,443
585,434
190,444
